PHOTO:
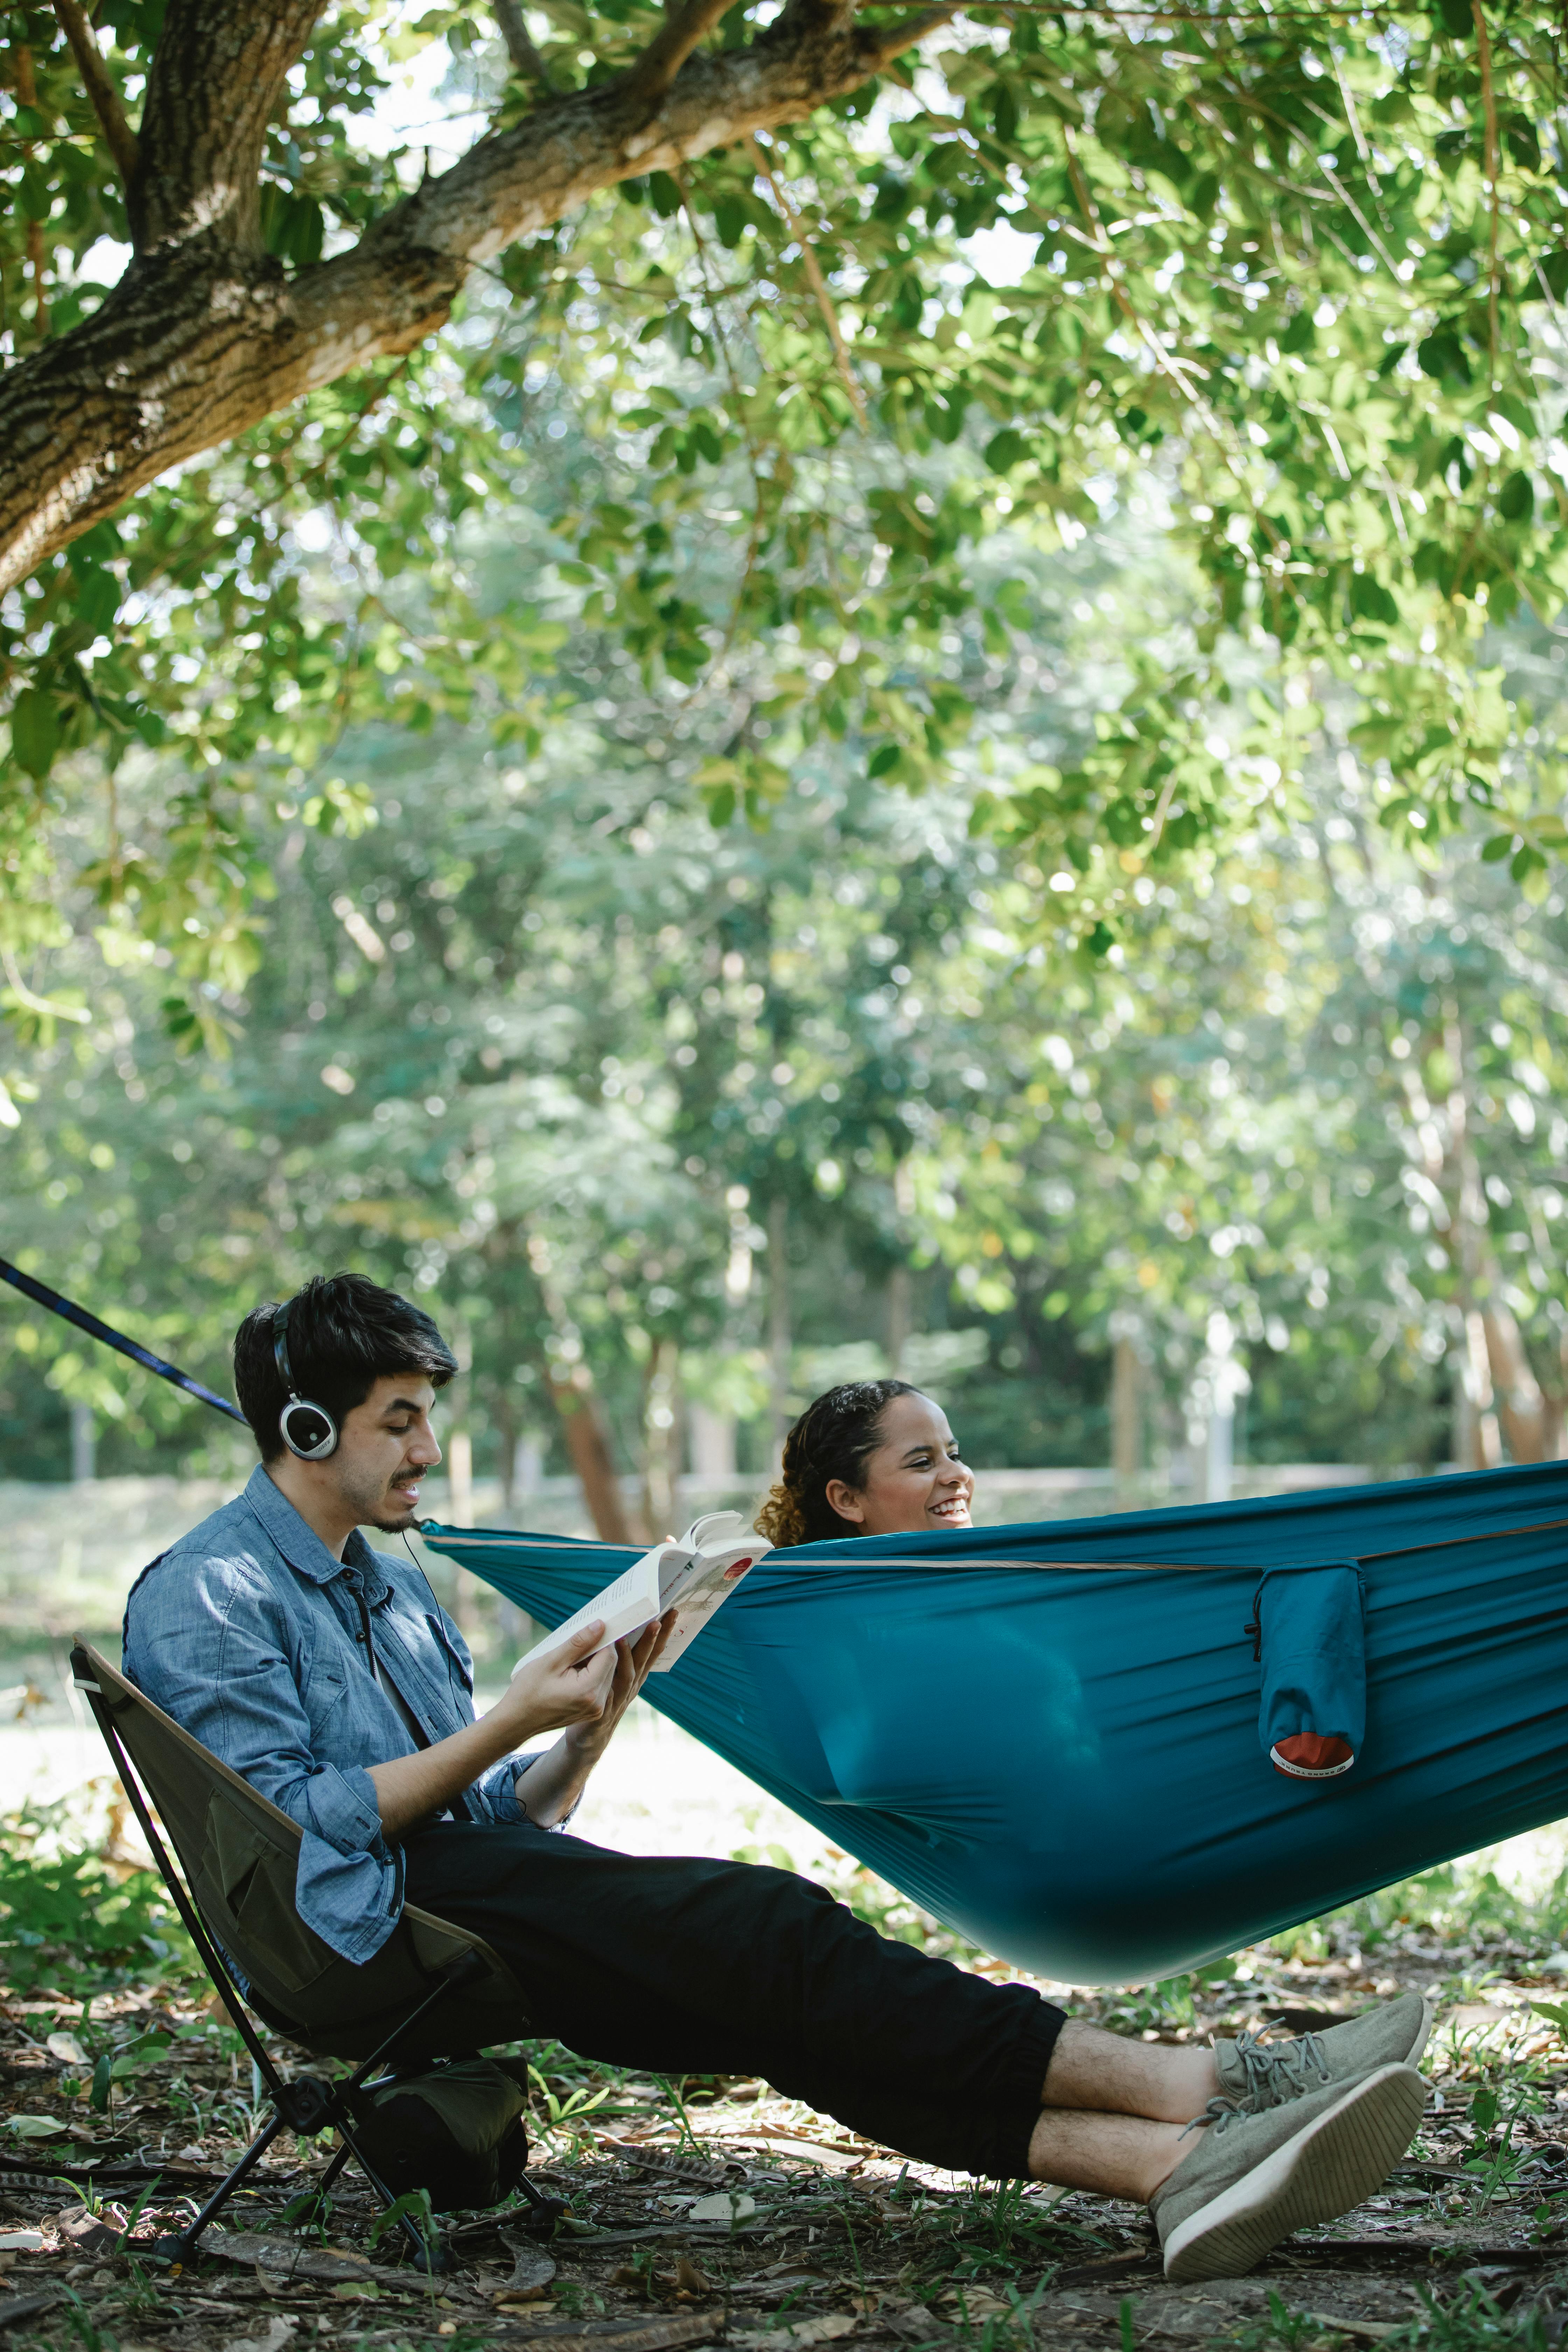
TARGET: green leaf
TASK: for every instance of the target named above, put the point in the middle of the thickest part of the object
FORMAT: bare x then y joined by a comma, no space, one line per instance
1500,847
1516,500
1441,356
1005,450
1555,2013
1485,2108
35,732
292,226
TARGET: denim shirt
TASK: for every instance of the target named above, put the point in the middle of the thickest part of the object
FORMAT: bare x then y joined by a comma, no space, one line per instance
247,1632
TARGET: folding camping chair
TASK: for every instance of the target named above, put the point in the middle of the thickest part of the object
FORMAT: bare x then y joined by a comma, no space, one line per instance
432,1991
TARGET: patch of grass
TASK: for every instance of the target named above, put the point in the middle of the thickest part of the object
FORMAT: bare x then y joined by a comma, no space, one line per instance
77,1923
1456,1901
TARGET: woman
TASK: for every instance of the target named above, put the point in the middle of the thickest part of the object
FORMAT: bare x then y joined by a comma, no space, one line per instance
871,1458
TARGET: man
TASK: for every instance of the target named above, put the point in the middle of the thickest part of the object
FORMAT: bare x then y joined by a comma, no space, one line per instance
329,1676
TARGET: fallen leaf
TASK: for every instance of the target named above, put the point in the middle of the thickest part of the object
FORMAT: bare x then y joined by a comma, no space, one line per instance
287,2256
35,2126
85,2233
532,2269
732,2205
978,2301
821,2330
279,2329
689,2280
67,2047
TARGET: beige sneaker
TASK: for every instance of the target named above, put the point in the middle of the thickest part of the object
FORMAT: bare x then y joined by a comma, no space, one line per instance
1255,2176
1264,2074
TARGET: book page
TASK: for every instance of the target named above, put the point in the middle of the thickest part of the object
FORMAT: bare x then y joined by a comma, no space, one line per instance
703,1590
628,1605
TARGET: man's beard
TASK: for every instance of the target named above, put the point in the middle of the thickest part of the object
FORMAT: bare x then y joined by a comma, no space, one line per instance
374,1507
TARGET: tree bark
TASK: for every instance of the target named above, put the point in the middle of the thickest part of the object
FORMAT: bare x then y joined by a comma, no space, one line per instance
206,335
588,1444
779,1342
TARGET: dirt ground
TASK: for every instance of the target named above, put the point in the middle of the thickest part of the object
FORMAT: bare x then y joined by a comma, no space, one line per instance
821,2236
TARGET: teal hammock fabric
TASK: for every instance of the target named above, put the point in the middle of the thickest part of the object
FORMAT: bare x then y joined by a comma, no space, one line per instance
1056,1738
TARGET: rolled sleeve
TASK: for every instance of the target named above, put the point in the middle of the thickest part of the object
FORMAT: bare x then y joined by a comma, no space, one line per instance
342,1808
495,1794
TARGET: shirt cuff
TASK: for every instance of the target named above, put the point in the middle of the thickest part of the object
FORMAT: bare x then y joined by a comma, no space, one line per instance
343,1810
515,1767
496,1792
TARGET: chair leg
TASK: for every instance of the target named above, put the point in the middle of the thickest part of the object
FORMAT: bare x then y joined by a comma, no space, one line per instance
432,2259
180,2247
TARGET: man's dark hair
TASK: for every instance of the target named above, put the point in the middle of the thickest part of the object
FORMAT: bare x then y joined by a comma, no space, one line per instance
346,1333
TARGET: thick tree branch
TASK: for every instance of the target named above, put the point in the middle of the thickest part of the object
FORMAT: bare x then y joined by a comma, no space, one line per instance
215,77
118,137
526,60
674,43
203,336
892,40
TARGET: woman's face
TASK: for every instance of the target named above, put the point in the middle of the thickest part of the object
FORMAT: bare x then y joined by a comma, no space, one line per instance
914,1481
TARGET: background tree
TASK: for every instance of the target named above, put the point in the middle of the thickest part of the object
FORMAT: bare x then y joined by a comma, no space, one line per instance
1293,281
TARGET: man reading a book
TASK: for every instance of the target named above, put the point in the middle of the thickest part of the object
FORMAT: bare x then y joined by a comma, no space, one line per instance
330,1676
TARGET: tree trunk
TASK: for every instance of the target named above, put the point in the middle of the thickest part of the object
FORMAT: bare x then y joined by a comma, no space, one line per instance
661,1440
206,335
778,1317
899,1294
1126,1414
588,1443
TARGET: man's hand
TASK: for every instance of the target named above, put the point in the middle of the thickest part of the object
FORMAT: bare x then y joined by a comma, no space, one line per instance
634,1661
571,1686
550,1787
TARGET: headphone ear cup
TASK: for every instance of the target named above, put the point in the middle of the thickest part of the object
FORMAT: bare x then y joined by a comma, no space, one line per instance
308,1429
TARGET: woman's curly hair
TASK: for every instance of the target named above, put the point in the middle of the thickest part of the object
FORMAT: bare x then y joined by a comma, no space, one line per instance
834,1438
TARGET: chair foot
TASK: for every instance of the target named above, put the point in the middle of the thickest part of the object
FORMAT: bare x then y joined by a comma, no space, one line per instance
173,2252
543,2214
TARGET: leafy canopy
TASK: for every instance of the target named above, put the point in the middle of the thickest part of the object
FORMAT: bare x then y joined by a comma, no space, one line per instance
1290,281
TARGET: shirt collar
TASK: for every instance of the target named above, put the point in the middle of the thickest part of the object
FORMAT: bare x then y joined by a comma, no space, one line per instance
302,1548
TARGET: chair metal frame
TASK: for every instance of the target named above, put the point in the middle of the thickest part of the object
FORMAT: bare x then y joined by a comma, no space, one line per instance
308,2103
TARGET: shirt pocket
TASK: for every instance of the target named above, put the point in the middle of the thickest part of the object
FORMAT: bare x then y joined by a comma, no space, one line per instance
324,1690
459,1675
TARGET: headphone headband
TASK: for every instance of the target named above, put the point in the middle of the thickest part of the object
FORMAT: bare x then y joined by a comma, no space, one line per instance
307,1430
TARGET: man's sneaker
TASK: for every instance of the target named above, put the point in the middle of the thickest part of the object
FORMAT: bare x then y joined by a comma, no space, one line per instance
1264,2074
1255,2176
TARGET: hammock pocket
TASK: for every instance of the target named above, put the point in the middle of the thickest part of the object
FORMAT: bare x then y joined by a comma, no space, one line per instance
1309,1629
1067,1740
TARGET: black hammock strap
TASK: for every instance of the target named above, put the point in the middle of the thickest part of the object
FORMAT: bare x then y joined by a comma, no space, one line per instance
44,1297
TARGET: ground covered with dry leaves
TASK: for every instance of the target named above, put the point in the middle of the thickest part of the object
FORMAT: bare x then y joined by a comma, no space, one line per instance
711,2210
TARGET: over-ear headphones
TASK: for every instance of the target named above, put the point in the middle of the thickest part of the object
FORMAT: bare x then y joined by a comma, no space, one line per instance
308,1429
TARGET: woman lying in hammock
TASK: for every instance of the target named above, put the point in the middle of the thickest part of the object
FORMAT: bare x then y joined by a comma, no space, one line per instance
871,1458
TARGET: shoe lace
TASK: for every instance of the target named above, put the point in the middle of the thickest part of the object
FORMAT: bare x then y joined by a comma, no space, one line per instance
1218,2113
1275,2075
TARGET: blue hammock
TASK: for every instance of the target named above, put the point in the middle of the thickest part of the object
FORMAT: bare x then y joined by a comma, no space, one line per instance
1051,1736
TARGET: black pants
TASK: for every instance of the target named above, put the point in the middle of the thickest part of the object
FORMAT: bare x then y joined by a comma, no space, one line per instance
681,1966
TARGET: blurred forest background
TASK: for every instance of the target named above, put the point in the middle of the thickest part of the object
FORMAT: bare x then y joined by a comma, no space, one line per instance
671,1125
651,824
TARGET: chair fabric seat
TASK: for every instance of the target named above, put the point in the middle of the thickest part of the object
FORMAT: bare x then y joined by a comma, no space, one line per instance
239,1852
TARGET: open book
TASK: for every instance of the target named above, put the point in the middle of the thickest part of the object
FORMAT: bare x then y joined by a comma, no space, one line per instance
694,1576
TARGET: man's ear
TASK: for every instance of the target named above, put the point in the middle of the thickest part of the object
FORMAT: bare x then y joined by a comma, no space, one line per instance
844,1500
